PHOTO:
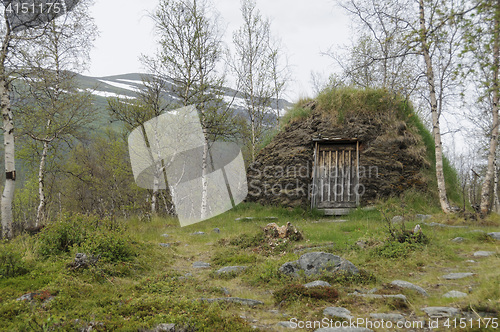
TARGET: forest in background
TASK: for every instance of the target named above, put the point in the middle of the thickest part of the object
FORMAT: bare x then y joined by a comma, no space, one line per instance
440,55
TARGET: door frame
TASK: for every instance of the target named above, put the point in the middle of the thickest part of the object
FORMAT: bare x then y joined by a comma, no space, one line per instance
330,141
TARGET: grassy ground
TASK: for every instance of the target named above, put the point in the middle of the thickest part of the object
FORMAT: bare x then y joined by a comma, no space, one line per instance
139,284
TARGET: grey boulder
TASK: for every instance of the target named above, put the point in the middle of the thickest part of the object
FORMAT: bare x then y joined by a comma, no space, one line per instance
317,283
409,285
495,235
313,263
441,312
454,294
337,312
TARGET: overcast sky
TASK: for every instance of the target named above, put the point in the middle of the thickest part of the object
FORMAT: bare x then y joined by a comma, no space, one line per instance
306,28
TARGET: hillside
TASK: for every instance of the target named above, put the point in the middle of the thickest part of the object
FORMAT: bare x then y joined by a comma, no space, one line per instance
127,85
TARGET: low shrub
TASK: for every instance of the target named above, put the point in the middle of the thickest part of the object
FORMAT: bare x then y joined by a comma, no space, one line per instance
11,262
108,246
346,278
91,235
68,231
395,249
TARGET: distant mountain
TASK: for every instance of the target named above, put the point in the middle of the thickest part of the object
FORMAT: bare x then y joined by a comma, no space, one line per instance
127,85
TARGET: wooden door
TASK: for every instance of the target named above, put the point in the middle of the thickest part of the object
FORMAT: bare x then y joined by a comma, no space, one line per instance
335,176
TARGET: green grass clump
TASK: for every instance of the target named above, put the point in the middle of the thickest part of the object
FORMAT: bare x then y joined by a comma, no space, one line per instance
298,111
233,257
296,292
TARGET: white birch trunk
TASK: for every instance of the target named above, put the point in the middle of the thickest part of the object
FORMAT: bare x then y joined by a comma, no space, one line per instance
204,180
10,167
496,201
443,199
488,180
40,215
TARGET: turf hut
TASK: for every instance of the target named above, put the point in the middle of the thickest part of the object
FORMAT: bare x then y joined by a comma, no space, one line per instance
346,148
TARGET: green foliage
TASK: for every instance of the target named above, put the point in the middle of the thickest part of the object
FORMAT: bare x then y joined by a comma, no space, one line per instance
68,231
109,246
11,262
296,292
88,234
101,180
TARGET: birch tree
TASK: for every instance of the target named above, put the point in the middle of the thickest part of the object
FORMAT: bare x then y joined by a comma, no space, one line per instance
17,30
379,55
482,50
190,56
54,110
432,34
252,65
151,102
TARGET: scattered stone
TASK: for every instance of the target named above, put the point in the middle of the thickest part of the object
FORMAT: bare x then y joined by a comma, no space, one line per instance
83,261
27,297
372,291
164,328
237,300
165,235
188,275
379,296
483,253
317,283
397,219
454,294
423,217
406,284
225,291
245,219
231,269
455,276
458,239
201,265
388,317
361,244
198,233
47,301
316,262
470,261
287,324
432,224
441,312
165,245
495,235
337,312
343,329
216,230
